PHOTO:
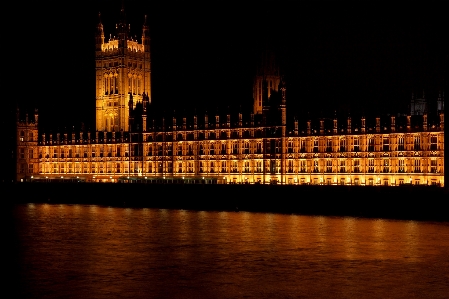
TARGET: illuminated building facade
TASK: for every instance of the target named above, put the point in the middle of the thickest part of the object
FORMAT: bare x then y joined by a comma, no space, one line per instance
220,149
123,75
223,153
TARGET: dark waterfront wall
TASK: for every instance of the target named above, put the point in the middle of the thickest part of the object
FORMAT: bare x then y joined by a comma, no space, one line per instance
409,202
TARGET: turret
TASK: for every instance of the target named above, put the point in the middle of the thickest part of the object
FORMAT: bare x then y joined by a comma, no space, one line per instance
131,112
335,125
349,127
265,104
296,126
147,59
363,124
283,106
146,36
99,35
145,103
267,80
440,102
424,122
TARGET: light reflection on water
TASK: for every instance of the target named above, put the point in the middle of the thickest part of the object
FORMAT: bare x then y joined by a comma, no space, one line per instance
76,251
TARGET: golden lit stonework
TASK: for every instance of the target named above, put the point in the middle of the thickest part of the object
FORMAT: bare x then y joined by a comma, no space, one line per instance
123,70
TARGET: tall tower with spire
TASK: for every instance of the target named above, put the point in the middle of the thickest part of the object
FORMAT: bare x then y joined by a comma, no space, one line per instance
267,73
123,72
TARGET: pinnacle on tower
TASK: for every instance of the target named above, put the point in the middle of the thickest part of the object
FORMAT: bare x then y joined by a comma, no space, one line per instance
99,38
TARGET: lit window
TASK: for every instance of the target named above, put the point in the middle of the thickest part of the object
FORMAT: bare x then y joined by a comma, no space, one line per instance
433,143
401,164
400,143
433,166
371,165
329,166
417,165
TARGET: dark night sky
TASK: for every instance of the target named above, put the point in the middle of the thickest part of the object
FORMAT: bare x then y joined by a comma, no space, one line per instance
335,55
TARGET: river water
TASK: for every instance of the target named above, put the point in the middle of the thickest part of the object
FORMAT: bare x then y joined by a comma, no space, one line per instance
82,251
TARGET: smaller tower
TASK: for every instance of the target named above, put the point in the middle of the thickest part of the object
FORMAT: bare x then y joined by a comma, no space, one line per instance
363,129
146,64
296,126
27,161
267,73
99,35
145,104
265,104
335,130
424,122
440,102
349,127
283,104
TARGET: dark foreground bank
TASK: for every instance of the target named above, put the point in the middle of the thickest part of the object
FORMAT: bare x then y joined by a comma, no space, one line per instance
408,202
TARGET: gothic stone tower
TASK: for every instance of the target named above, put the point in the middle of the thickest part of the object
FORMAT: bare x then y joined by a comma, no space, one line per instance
267,73
27,147
123,70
